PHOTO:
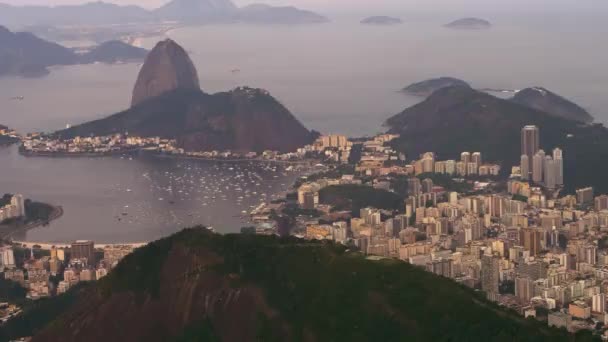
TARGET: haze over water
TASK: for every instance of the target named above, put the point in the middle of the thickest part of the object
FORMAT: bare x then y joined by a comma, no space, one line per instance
340,77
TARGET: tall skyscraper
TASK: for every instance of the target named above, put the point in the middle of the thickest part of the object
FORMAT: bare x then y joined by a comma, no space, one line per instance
558,158
598,303
530,143
414,186
550,174
524,289
7,257
465,157
601,203
83,249
530,140
427,185
524,167
584,195
19,203
538,166
476,158
490,273
530,238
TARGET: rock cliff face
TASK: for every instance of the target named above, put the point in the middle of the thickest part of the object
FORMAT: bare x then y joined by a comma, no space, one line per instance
547,101
167,67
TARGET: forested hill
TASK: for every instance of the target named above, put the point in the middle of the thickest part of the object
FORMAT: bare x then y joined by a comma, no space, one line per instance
199,286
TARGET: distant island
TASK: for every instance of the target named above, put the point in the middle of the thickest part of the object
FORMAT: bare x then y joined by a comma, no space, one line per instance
469,24
24,54
176,11
381,20
168,103
427,87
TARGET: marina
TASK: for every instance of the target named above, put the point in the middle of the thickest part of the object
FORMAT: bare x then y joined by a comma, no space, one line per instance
123,199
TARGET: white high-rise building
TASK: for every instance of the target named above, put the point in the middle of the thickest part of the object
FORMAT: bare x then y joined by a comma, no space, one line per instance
538,163
476,158
453,198
450,167
524,166
530,142
19,204
599,303
558,158
7,257
550,175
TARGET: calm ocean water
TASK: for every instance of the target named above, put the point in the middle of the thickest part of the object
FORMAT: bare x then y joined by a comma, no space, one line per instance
337,78
133,200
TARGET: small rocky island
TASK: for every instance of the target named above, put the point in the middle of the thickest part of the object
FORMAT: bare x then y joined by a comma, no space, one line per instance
427,87
381,20
469,24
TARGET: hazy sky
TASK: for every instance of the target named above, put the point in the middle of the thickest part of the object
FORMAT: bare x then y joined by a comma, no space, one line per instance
383,5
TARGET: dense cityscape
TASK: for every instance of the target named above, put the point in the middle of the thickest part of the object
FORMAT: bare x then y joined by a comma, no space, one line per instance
518,240
223,170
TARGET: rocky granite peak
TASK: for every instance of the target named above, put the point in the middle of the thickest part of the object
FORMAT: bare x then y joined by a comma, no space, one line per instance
167,67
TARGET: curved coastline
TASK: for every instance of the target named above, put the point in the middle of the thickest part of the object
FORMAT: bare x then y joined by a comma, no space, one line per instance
55,214
136,152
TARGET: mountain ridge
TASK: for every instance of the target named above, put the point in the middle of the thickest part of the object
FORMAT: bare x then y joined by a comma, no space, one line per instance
550,102
241,120
184,11
24,54
457,119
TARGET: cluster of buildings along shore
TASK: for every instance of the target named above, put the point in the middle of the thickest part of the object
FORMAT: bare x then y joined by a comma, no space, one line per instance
516,239
8,133
38,144
13,210
50,272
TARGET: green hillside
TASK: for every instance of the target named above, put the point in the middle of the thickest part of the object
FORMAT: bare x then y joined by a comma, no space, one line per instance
198,286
